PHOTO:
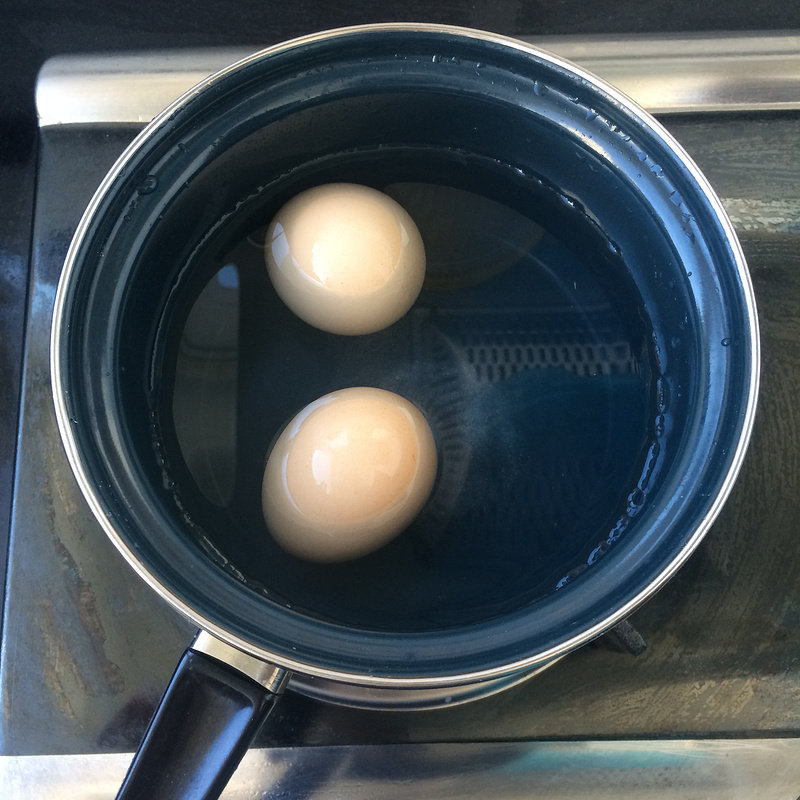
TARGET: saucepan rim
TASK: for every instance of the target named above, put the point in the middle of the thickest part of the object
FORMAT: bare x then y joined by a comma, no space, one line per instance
372,676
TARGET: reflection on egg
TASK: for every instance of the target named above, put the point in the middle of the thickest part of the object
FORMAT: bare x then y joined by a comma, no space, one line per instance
345,258
347,474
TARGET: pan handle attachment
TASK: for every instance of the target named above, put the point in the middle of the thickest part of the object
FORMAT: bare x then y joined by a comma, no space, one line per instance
211,711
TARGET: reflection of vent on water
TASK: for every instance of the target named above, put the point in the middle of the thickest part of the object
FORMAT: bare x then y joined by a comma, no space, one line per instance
531,463
498,344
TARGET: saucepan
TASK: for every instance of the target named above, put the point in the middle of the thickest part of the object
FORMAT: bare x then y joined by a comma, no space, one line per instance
584,349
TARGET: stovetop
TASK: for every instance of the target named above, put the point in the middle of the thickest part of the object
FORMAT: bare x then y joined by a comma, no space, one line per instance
711,705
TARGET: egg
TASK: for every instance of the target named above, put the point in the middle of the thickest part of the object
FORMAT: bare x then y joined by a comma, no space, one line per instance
345,258
348,474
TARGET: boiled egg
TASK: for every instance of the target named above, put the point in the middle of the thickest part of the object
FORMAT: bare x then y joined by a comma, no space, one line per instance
349,473
345,258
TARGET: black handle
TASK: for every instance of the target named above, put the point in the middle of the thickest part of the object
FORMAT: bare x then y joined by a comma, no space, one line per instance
207,719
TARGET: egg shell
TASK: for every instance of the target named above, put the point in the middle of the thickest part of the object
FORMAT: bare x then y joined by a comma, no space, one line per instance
345,258
349,473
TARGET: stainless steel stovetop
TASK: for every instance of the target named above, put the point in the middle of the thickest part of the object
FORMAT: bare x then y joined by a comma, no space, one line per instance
710,708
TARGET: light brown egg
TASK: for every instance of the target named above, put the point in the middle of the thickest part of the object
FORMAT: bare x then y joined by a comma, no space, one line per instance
345,258
348,474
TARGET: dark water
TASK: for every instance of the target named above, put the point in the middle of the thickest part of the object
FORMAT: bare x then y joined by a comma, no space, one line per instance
528,353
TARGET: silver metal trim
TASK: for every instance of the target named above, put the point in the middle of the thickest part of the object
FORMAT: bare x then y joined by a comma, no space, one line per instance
716,769
271,677
58,369
275,679
406,699
663,74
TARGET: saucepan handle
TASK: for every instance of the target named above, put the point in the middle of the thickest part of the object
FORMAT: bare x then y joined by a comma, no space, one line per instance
212,709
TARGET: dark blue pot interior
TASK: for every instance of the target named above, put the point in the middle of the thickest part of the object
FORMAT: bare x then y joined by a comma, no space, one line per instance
584,352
